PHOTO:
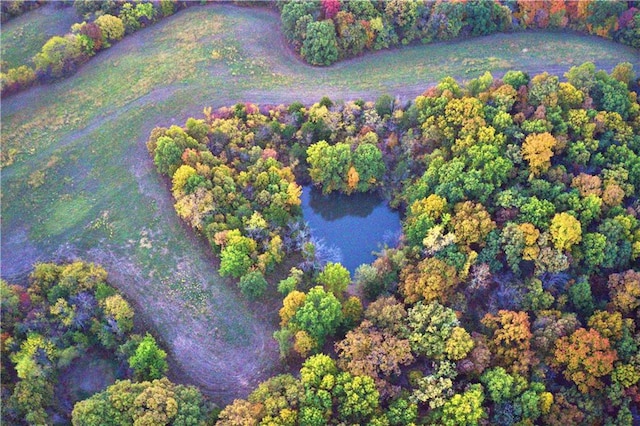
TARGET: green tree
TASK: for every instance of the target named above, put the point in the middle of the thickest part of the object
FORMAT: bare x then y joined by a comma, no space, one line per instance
464,409
367,161
430,327
253,284
500,385
235,258
320,314
335,279
357,397
59,56
148,362
167,156
329,165
515,79
320,47
581,297
292,12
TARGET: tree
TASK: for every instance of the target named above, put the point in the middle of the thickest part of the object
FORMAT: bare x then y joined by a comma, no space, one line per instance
329,165
357,397
435,389
290,305
291,13
235,258
368,163
430,329
624,73
516,79
465,408
374,353
386,313
180,179
351,34
320,47
304,344
471,223
253,284
330,8
119,309
608,324
565,230
585,357
148,362
402,412
500,385
537,150
59,56
581,297
145,403
320,315
279,397
511,340
335,279
432,279
112,28
458,345
167,156
624,290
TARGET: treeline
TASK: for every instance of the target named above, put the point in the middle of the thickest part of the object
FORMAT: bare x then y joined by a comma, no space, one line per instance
107,22
13,8
69,312
326,31
514,297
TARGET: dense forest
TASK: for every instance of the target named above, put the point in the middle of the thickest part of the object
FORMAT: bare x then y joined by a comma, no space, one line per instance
69,313
514,295
511,298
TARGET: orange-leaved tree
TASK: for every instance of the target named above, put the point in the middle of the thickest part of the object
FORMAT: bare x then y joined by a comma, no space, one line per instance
586,356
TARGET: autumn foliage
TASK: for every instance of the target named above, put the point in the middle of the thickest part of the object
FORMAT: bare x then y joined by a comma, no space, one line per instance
586,356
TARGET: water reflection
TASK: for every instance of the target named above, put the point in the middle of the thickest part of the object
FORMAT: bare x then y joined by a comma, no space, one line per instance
336,206
356,225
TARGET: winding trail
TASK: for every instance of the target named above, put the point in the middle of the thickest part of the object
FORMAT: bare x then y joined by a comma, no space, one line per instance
101,198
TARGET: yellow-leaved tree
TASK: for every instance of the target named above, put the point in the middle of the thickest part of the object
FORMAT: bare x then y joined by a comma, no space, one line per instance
565,230
537,149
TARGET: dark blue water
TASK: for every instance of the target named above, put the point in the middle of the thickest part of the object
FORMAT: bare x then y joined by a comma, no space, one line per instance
356,225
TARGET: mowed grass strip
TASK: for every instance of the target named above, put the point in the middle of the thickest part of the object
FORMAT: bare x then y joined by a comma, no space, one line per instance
78,180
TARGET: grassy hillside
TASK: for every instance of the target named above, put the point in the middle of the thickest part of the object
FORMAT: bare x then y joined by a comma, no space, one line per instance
78,180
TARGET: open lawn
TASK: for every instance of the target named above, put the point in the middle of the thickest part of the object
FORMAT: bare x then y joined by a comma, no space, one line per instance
77,179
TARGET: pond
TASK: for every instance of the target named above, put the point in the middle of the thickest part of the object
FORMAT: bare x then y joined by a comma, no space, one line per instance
355,225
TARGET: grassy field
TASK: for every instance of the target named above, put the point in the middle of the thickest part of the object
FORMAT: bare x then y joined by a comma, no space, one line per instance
22,37
77,180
